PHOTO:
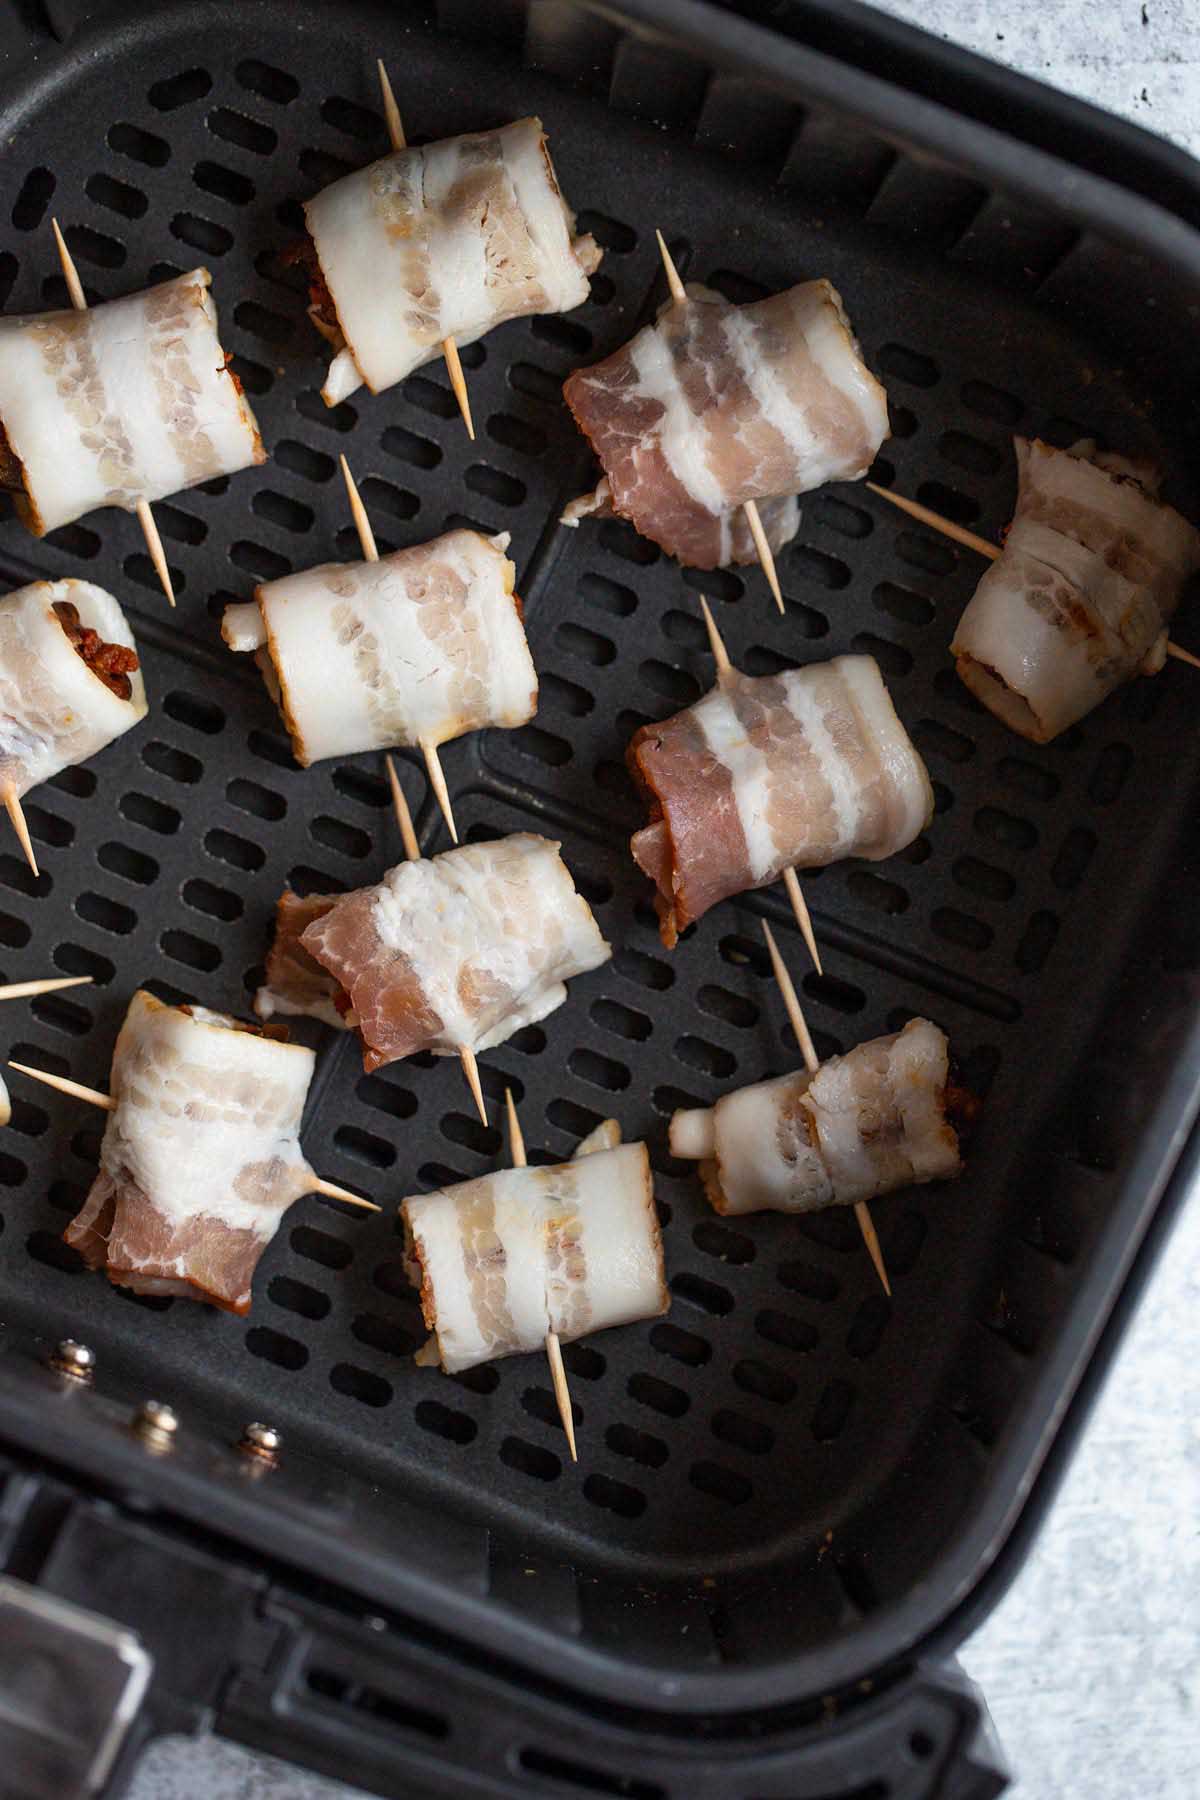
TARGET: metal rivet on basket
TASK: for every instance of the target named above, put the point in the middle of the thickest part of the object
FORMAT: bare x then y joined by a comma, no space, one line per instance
261,1441
156,1424
74,1359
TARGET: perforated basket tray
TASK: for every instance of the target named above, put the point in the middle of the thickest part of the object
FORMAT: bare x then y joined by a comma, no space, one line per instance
788,1482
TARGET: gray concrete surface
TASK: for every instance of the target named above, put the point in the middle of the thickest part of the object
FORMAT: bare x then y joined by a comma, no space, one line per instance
1091,1664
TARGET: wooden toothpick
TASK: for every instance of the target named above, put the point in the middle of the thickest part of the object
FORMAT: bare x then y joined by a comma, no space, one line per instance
358,513
391,112
471,1071
791,1001
795,894
25,990
16,812
674,279
70,272
154,545
403,817
65,1085
562,1393
791,882
558,1374
106,1102
516,1137
395,130
145,516
925,515
808,1051
458,382
332,1191
749,507
716,642
765,557
437,781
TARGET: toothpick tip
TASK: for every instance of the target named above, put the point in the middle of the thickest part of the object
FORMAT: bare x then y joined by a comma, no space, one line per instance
65,1085
562,1393
332,1191
458,382
516,1137
70,273
437,781
765,554
674,281
871,1239
16,812
716,642
358,513
391,111
471,1071
154,545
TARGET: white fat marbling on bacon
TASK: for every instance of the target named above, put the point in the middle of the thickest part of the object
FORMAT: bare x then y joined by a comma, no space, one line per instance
836,352
492,932
684,447
447,240
906,780
1081,598
504,1259
863,1125
201,1153
54,709
749,770
807,710
419,647
775,404
128,401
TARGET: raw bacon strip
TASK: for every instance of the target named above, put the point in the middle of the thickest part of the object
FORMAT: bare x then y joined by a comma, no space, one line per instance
863,1125
1082,597
449,240
715,404
58,705
773,772
461,949
128,401
415,649
503,1260
296,984
201,1154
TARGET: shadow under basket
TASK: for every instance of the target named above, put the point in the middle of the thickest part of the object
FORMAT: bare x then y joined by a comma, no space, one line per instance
794,1497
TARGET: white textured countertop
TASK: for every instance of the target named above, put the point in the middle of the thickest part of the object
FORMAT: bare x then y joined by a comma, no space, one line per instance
1091,1664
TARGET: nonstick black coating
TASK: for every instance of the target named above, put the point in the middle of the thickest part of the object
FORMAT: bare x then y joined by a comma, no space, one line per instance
785,1431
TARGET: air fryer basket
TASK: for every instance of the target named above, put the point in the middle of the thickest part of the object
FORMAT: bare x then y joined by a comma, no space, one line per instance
788,1485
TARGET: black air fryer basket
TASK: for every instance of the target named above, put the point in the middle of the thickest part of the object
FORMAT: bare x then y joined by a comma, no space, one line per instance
793,1498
